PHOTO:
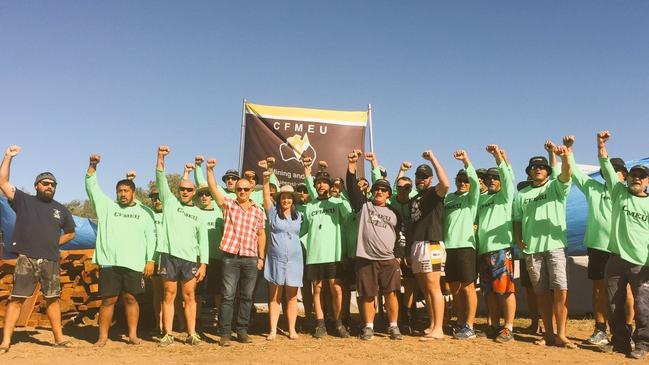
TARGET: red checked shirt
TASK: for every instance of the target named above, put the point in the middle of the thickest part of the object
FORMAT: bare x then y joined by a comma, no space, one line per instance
241,227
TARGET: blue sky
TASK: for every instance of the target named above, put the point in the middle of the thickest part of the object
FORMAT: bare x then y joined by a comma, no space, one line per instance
118,78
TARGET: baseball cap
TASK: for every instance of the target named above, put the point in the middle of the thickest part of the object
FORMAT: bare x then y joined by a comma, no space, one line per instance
44,176
383,183
481,173
462,176
154,191
424,171
540,161
231,173
640,171
493,173
322,175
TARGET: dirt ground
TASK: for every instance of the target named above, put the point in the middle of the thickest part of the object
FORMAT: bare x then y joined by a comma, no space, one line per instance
32,346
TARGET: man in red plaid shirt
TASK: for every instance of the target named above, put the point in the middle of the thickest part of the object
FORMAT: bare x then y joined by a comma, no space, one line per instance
243,246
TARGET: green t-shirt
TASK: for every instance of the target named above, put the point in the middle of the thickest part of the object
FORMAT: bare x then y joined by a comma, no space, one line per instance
630,219
542,213
495,214
598,228
323,221
184,233
125,235
461,210
157,218
213,219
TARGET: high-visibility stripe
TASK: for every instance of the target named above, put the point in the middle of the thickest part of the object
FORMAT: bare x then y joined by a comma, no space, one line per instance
308,115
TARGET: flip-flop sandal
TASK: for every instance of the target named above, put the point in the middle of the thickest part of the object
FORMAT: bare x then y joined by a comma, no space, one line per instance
4,350
430,338
63,344
543,342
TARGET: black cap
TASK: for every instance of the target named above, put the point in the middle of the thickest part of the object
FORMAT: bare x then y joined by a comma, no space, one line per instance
382,183
618,165
301,187
493,173
44,176
481,173
538,161
424,171
322,175
462,176
640,170
232,173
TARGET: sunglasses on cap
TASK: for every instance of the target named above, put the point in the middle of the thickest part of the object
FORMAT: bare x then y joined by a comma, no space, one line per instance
407,187
182,188
48,183
243,189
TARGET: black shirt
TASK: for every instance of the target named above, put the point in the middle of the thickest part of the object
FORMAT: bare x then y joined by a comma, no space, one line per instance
426,217
38,226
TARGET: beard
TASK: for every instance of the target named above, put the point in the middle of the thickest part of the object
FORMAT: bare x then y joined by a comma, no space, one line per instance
637,189
44,196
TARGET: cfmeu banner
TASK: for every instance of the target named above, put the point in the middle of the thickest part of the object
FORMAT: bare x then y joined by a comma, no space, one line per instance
290,134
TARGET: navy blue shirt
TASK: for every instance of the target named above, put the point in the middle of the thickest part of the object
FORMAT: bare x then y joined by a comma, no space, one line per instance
38,226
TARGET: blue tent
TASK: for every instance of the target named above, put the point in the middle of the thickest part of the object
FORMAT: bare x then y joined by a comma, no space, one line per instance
577,212
86,231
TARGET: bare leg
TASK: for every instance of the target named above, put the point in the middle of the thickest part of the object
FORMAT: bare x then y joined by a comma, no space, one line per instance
493,309
628,306
459,301
508,304
189,297
53,311
11,317
168,305
291,310
336,288
545,304
156,283
392,307
429,284
600,301
274,303
317,303
105,319
132,316
471,301
533,309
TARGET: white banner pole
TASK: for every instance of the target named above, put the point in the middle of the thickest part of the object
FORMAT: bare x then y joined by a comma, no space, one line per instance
369,121
242,140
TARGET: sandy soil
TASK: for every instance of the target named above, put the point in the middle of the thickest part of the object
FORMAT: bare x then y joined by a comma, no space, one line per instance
31,346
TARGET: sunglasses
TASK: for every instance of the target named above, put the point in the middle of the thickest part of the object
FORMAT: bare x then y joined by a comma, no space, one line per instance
154,197
48,183
487,178
231,178
189,190
638,175
302,191
243,189
204,193
404,187
421,177
381,189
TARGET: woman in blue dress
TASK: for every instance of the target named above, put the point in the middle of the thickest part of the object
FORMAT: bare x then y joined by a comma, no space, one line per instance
284,265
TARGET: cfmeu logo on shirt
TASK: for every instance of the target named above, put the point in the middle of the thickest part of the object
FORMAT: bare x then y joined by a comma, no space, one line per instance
56,214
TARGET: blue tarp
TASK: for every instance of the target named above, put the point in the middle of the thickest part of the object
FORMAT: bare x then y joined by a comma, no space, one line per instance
86,231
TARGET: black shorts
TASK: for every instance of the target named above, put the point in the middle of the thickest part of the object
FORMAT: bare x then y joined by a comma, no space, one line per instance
329,270
113,280
460,265
348,274
214,279
525,277
29,271
377,276
597,260
174,268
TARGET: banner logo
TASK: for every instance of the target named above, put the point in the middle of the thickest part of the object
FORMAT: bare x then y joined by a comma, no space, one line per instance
296,148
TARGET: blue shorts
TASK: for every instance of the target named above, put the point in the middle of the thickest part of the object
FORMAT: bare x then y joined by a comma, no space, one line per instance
174,268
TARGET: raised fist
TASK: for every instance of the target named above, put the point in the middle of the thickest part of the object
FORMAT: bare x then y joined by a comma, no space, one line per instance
549,146
405,166
369,156
307,161
568,140
460,155
211,163
358,153
352,157
603,137
94,159
130,175
427,155
263,164
198,160
560,150
322,165
266,176
270,161
493,149
12,150
163,150
250,175
189,167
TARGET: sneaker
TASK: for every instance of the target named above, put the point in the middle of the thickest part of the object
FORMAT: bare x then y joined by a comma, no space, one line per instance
465,333
367,334
395,334
638,354
194,340
224,341
166,340
243,337
320,331
505,335
598,338
492,333
342,331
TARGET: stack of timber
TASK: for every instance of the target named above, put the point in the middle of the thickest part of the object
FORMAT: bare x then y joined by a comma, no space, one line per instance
79,292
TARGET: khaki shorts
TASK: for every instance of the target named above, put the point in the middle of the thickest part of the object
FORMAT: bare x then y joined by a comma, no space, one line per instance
426,256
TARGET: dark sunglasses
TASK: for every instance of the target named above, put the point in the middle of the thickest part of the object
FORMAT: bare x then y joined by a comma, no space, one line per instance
231,178
243,189
404,187
302,191
421,177
487,178
154,197
638,175
186,189
48,183
381,189
204,193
